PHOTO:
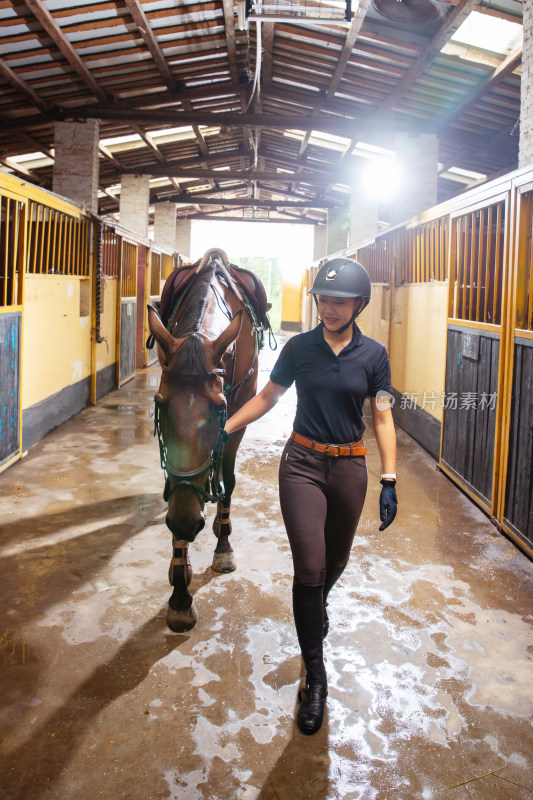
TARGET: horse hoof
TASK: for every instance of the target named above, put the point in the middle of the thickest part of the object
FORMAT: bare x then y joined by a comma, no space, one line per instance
223,562
181,621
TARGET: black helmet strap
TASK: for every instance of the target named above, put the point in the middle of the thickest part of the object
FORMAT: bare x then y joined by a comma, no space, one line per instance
352,318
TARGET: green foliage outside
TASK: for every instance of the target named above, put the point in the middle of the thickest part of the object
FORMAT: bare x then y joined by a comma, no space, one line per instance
269,270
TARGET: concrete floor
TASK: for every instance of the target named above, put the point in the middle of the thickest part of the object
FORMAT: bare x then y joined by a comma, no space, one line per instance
429,658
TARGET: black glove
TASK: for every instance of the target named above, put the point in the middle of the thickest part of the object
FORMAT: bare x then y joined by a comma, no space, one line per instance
388,504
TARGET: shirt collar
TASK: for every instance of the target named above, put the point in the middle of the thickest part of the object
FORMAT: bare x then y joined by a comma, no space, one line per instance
318,339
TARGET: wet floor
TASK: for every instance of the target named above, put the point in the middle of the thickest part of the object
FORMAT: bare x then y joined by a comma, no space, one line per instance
429,656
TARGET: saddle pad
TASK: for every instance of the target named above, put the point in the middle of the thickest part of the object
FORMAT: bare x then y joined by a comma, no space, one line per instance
254,290
174,285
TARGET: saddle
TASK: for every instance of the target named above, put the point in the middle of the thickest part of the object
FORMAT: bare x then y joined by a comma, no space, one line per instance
249,284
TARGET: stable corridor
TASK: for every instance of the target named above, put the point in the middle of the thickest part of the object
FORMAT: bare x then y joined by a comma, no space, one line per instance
429,655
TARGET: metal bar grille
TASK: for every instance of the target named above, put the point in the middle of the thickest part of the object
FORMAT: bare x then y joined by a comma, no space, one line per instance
58,243
155,274
11,244
129,270
376,259
479,257
110,252
422,252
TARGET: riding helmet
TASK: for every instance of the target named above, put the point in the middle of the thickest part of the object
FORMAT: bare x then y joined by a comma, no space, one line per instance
342,277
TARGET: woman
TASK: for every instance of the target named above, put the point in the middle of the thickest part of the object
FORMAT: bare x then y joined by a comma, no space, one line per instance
322,475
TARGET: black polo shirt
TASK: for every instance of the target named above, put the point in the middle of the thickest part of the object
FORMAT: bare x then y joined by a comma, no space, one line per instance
331,389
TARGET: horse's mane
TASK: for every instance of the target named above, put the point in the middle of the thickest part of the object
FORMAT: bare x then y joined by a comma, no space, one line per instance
191,362
195,301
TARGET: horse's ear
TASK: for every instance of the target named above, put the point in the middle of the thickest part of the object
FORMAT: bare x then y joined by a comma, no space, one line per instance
221,344
159,332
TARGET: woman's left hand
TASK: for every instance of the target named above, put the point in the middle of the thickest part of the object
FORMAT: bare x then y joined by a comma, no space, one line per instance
388,504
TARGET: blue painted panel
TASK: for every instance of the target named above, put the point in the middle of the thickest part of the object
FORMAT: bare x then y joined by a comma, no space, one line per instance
10,330
127,340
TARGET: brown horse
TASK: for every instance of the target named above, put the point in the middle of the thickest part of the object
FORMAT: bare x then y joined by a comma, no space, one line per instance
208,353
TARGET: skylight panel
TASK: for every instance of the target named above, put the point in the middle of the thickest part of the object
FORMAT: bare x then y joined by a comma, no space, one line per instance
483,32
371,151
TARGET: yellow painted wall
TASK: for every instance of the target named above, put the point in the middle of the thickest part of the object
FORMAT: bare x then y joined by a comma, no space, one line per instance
291,295
105,353
374,321
57,341
412,325
418,343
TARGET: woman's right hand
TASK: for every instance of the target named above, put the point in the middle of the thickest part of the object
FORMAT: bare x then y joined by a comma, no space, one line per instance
388,503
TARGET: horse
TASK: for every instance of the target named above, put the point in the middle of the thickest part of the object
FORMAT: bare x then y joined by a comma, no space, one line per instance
208,339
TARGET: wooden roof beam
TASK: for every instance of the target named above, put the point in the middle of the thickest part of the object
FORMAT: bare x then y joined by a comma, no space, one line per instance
20,169
49,24
229,25
247,202
21,86
501,72
432,50
145,29
171,170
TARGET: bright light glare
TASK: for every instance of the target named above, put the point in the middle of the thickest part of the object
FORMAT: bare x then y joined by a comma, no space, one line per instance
380,179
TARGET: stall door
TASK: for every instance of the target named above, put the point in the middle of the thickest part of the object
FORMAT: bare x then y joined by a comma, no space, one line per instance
128,312
12,265
472,406
516,507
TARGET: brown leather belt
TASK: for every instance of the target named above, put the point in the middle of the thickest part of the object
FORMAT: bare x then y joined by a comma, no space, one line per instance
334,450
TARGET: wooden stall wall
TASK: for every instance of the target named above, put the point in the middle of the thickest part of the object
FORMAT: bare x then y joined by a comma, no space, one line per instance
70,330
458,325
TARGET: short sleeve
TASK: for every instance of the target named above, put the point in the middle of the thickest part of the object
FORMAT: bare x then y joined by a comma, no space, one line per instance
283,370
381,377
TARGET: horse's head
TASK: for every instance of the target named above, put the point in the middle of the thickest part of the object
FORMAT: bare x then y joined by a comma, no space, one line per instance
189,402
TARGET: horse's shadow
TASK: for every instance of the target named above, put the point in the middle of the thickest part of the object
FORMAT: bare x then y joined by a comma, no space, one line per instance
35,765
36,575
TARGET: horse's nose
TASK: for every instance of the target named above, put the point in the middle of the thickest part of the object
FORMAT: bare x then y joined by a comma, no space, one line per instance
186,529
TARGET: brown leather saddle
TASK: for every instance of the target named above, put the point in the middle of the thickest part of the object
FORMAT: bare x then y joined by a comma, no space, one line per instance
248,282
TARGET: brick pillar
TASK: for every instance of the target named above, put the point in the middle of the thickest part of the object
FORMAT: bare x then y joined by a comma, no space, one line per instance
165,224
183,237
363,217
337,232
417,163
320,242
76,166
526,88
134,203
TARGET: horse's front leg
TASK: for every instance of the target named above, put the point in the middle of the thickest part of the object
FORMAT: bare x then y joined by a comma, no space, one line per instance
223,558
181,612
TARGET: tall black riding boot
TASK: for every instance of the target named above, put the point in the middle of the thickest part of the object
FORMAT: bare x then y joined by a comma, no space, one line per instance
308,609
333,573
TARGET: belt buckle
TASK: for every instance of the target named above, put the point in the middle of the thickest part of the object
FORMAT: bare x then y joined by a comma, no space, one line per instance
333,455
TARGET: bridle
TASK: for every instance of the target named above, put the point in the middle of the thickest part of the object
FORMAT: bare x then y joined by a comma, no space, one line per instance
214,490
214,485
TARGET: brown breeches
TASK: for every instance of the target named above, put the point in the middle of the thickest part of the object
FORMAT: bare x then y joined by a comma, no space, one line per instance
321,501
